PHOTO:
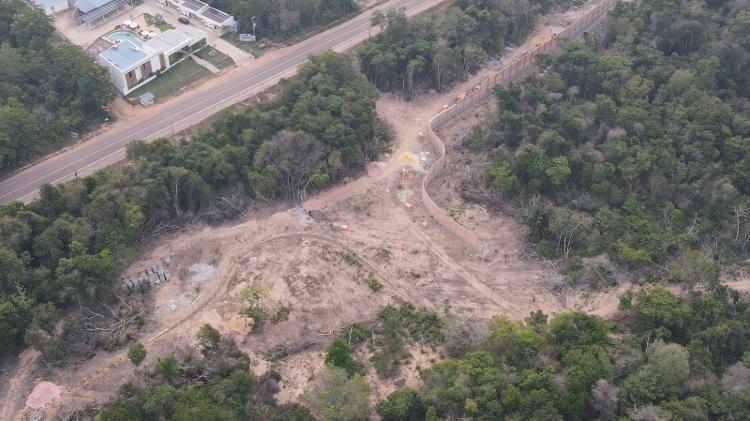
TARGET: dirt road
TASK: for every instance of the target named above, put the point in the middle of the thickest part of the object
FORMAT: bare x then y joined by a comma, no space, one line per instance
424,264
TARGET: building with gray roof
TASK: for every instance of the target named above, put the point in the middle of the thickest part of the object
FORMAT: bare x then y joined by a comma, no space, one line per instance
96,12
131,66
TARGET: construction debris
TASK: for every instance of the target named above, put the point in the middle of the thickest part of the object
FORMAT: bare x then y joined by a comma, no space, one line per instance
152,276
339,227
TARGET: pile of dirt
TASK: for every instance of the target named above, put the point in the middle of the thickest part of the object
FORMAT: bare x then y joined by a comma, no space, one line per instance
43,393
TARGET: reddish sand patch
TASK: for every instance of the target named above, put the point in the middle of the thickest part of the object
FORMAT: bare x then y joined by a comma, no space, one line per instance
43,393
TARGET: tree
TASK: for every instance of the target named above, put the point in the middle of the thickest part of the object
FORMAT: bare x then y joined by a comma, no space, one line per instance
167,367
401,405
291,157
208,338
736,381
12,267
14,233
693,408
466,387
513,342
662,378
693,267
15,317
160,400
573,330
657,310
137,353
501,178
340,355
84,275
333,395
31,28
604,399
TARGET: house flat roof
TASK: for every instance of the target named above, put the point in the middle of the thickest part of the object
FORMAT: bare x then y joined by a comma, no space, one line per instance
175,38
215,15
124,55
194,5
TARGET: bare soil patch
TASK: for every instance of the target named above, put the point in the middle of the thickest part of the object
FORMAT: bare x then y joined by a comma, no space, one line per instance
322,265
43,393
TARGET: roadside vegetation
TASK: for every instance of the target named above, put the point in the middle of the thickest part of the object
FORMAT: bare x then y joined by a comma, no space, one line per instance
434,51
632,143
67,248
48,87
281,19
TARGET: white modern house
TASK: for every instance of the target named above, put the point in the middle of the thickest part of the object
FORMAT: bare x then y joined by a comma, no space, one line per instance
131,66
176,44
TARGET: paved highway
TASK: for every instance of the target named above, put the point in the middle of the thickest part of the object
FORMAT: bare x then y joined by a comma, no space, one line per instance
191,108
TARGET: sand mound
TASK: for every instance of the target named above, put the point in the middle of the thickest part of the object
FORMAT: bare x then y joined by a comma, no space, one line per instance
43,393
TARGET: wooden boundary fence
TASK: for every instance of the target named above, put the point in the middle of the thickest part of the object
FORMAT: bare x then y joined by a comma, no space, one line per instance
510,72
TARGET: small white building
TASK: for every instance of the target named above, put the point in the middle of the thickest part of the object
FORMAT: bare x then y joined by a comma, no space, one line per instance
131,66
51,7
212,18
217,20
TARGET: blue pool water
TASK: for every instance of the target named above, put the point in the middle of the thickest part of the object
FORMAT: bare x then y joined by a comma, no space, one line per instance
119,35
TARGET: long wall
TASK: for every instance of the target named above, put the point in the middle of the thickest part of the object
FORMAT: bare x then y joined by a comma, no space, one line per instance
511,72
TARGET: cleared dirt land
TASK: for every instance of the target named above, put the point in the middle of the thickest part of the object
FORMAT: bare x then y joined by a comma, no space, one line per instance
321,261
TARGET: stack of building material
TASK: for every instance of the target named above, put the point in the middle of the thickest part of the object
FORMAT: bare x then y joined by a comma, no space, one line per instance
152,276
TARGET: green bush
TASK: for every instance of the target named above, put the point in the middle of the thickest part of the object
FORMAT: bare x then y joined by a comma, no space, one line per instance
137,353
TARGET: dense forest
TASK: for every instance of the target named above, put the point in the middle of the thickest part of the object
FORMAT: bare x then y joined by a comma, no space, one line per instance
68,247
435,50
282,18
668,359
48,87
633,143
665,358
214,382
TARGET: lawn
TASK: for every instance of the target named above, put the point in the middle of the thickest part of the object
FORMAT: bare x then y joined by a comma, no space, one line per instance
170,82
157,21
215,57
250,47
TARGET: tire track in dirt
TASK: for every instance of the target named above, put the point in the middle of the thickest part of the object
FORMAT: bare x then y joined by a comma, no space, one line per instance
21,380
226,280
15,384
331,196
454,266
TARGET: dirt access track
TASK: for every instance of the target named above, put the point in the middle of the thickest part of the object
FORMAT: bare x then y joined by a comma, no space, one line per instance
325,261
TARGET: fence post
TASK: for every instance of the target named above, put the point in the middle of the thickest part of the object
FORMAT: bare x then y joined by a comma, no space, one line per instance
502,76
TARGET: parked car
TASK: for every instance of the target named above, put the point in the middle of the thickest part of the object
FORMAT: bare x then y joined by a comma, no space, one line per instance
184,21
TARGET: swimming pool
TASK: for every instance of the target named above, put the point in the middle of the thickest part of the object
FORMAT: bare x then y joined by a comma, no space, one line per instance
120,35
